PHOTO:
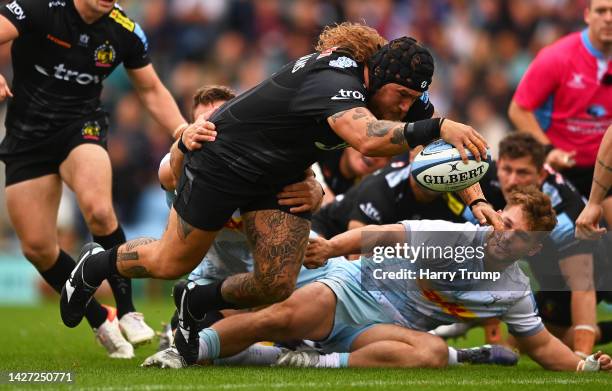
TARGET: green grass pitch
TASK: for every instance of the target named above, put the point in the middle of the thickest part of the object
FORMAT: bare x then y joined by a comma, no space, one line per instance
34,339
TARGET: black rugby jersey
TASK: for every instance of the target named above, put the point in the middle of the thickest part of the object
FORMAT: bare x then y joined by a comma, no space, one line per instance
276,130
384,197
60,62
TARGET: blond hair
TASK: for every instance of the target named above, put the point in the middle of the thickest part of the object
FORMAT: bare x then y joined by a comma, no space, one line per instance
358,40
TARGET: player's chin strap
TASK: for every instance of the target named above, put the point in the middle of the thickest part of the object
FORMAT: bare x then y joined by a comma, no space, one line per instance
589,364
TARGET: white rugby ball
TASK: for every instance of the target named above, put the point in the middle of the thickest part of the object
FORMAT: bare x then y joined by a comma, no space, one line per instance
439,168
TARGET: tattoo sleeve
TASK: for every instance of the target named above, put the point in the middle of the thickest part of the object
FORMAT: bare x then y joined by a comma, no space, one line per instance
128,259
278,240
606,167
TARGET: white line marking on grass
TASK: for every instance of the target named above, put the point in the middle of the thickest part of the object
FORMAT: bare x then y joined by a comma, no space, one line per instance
355,384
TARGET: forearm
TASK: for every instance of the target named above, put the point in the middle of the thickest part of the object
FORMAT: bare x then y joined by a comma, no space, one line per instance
365,238
525,121
160,103
369,135
471,194
602,177
549,352
176,161
584,319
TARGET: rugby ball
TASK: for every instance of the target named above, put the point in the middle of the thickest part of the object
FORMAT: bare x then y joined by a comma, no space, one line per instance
438,167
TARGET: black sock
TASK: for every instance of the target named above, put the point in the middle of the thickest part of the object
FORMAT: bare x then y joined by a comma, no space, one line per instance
111,240
121,286
174,320
57,276
205,298
211,318
606,332
100,266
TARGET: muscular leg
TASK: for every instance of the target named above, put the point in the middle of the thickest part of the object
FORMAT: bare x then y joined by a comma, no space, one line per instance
395,346
278,240
179,250
307,314
33,207
87,171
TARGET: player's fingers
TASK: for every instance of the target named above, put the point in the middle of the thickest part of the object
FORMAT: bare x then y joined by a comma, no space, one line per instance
300,186
481,144
474,149
293,194
301,209
292,201
462,152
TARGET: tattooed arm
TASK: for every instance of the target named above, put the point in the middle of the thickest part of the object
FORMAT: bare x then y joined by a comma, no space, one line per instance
374,137
587,224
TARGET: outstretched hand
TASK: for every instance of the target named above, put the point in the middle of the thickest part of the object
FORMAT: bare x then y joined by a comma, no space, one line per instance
463,136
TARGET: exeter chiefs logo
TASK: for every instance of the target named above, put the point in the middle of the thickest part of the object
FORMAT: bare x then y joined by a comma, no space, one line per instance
91,130
104,55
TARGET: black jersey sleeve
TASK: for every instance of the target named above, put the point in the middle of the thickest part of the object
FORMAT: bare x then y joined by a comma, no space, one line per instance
138,57
374,203
137,45
25,15
328,91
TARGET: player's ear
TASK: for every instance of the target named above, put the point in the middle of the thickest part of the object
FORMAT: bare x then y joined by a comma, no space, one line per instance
535,249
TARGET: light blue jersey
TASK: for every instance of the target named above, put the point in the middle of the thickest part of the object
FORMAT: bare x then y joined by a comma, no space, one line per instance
424,304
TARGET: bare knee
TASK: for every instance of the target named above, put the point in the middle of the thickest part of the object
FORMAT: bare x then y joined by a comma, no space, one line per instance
100,218
434,351
40,253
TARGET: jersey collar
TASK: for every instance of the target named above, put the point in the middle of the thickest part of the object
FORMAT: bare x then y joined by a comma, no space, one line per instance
584,36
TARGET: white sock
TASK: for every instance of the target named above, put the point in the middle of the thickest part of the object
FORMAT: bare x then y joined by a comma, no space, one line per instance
333,360
452,357
253,355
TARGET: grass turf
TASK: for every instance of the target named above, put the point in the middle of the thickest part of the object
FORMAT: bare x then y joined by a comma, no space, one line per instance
34,339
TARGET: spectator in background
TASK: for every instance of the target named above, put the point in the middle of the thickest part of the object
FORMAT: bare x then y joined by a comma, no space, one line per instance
565,98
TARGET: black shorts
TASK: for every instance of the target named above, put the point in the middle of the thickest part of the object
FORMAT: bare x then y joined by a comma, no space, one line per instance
555,307
208,195
25,161
582,179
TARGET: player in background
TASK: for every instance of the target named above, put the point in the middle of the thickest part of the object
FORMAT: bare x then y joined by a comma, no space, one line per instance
600,202
56,132
565,98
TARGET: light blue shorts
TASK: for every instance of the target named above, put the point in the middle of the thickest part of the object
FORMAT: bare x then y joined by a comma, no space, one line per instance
356,309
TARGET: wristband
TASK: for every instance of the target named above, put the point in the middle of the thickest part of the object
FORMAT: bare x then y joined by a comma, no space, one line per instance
586,327
179,130
181,146
422,132
548,148
477,200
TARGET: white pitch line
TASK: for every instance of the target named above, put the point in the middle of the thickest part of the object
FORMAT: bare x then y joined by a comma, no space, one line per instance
353,384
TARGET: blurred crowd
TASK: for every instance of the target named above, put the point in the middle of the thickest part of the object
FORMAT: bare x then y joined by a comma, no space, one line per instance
481,47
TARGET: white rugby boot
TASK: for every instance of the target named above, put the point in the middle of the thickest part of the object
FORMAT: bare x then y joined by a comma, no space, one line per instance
136,331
